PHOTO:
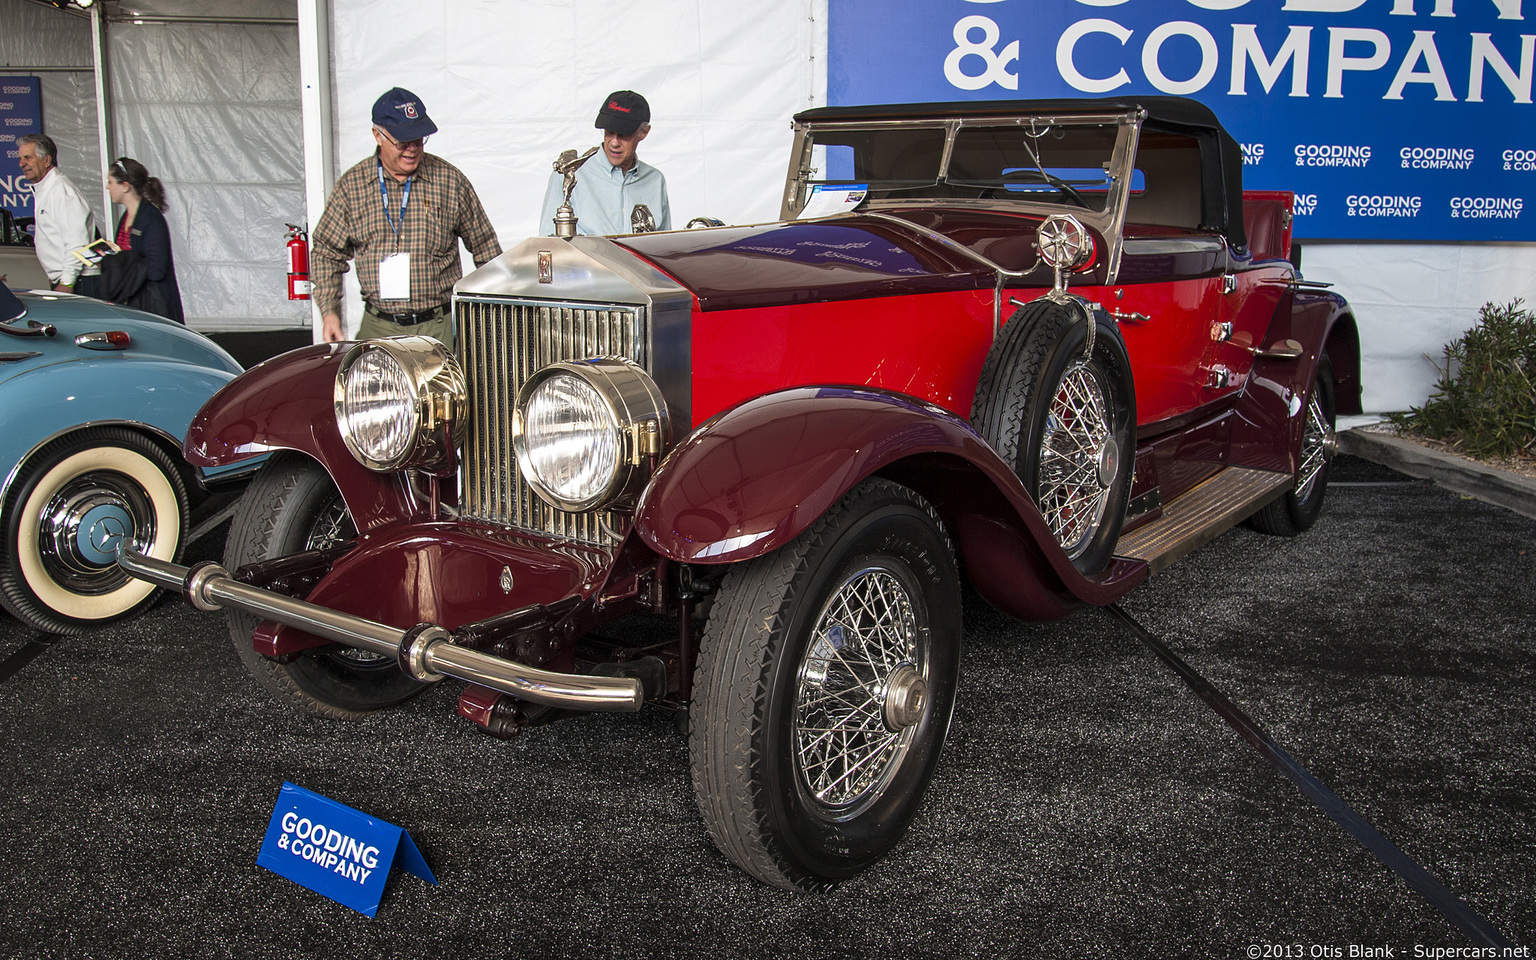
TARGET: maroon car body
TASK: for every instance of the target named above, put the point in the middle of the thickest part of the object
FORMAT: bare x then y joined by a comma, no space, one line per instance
1053,347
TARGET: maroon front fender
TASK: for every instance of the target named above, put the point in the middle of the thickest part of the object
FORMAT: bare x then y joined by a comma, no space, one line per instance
286,403
758,475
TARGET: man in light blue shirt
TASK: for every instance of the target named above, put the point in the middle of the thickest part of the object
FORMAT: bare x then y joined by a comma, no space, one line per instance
612,187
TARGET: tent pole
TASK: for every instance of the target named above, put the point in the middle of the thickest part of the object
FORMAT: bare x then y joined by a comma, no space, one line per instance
315,100
103,126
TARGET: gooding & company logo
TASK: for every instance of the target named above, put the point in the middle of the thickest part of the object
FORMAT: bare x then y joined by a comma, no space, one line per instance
1520,159
1486,208
1376,205
1331,155
1304,204
1252,154
1437,158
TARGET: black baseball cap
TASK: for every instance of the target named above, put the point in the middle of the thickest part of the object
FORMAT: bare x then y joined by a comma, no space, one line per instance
401,113
623,112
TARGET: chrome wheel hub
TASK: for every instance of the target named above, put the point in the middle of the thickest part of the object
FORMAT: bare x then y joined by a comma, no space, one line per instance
860,693
906,696
1079,459
83,524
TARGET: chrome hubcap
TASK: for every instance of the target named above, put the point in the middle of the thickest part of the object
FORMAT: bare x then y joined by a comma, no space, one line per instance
860,694
1079,460
83,524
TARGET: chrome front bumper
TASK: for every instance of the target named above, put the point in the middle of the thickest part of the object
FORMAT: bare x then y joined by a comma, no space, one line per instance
425,652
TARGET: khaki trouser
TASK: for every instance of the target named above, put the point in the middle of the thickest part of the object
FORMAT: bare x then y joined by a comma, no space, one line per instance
373,326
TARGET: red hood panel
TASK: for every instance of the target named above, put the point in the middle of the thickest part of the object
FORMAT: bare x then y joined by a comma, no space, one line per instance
840,258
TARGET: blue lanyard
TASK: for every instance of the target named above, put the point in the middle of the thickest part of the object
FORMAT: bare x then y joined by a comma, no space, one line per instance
405,198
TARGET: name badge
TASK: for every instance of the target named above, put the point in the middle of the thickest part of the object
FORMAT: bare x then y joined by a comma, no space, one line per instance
395,277
335,850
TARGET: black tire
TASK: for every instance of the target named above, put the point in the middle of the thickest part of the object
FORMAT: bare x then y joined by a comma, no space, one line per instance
1299,509
292,506
1065,425
62,518
761,774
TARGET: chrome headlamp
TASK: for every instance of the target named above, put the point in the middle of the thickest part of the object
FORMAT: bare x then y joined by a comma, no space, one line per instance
583,430
1065,245
1064,242
400,402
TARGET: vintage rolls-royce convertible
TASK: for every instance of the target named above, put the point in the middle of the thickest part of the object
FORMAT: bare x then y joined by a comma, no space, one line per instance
1045,347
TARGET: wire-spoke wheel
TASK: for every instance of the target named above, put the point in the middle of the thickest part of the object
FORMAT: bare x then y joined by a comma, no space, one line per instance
823,690
1300,507
858,692
1064,420
1071,489
290,507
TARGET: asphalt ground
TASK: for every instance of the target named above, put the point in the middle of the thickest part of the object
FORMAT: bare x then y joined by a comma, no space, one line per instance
1088,803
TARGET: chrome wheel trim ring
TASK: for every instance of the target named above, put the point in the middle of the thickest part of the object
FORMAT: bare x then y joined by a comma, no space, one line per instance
1075,448
860,673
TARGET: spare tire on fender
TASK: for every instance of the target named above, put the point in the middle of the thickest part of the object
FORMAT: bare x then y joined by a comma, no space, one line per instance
1064,420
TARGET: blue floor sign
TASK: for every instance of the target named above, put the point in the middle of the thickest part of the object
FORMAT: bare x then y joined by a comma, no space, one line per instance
335,850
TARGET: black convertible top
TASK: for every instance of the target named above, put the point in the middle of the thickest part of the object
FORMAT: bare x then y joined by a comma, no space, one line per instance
1221,159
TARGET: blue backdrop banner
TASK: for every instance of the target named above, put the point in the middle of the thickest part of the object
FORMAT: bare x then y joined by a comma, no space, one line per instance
1390,119
21,113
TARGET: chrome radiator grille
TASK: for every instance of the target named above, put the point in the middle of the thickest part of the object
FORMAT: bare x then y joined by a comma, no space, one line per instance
502,343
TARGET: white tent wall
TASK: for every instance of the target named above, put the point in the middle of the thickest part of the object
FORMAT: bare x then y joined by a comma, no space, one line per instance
1411,299
56,47
511,83
204,93
211,107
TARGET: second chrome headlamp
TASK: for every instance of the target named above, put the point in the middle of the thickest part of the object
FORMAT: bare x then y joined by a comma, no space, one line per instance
584,430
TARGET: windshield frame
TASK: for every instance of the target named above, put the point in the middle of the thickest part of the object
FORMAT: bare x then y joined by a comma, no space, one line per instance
1108,222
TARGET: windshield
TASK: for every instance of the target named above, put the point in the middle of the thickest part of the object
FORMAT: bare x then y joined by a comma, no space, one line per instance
1035,160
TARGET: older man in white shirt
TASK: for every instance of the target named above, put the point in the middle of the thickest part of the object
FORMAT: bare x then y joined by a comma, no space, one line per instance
64,221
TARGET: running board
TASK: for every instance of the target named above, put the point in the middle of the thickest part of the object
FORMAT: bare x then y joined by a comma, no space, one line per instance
1202,514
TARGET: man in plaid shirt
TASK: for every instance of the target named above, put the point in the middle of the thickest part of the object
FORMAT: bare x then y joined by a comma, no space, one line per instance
400,215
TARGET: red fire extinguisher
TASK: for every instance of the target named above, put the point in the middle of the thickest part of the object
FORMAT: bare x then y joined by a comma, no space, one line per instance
298,263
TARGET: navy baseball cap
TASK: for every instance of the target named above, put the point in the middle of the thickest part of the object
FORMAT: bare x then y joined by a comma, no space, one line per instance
623,112
401,114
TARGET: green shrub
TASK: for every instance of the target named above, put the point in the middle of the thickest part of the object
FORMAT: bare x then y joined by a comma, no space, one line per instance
1485,400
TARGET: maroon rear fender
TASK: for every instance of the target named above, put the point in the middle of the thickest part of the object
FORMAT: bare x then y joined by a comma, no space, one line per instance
758,475
287,403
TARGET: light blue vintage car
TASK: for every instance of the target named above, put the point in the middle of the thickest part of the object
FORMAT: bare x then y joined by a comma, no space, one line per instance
94,402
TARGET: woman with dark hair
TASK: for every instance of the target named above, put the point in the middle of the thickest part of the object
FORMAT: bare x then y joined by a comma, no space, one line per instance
142,227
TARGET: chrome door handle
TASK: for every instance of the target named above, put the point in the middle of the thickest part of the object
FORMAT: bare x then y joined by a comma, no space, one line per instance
1122,317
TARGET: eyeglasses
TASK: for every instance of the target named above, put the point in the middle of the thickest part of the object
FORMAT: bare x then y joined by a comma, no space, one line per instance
401,144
